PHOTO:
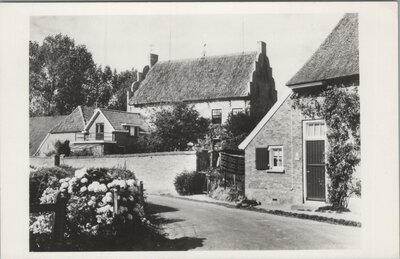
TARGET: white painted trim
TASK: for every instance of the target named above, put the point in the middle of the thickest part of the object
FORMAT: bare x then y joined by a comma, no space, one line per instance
271,160
305,138
41,144
83,117
305,85
264,120
94,141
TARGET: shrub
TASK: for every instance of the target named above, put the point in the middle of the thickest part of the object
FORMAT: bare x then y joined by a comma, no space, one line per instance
45,177
187,183
62,148
83,152
91,221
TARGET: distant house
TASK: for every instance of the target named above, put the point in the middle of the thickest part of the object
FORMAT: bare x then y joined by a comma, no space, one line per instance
215,85
39,128
285,153
65,129
110,131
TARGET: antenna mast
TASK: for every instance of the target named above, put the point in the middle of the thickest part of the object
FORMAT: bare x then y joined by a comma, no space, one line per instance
170,39
242,34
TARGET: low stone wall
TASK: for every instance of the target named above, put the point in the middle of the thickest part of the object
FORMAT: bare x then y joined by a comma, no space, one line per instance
156,170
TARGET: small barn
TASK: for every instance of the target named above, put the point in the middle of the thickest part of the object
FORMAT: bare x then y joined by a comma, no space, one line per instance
285,153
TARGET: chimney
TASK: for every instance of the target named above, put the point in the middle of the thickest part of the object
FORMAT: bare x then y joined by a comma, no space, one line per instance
139,76
261,47
153,59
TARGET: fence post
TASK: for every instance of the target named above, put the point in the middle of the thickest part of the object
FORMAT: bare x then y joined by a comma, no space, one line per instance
141,193
59,218
115,196
57,160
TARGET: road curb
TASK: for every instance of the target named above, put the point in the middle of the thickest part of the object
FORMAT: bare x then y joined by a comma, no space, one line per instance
330,220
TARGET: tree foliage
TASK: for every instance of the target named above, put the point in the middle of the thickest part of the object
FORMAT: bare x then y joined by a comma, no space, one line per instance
238,127
176,127
63,75
340,108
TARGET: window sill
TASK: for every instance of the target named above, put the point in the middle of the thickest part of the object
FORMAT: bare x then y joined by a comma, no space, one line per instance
276,170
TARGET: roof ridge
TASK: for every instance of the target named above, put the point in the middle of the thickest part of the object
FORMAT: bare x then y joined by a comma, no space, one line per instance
119,111
207,57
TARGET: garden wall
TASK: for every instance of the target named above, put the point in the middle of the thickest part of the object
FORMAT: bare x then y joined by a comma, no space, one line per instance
156,170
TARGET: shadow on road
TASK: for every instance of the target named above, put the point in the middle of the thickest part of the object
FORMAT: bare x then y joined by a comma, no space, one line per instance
155,208
158,241
178,244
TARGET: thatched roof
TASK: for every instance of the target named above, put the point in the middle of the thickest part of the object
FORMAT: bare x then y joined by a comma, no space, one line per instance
119,118
74,122
337,56
38,129
205,78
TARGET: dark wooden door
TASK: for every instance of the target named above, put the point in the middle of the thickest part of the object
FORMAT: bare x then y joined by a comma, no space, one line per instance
315,169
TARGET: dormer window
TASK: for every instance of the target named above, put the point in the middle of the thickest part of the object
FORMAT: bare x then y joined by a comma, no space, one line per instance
133,131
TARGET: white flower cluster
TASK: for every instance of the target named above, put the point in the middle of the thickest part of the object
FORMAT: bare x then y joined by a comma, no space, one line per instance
41,225
97,187
80,173
120,183
49,196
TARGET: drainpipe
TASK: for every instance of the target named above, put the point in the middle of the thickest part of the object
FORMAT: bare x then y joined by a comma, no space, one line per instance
291,145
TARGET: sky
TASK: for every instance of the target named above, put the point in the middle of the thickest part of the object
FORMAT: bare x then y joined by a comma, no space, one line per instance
124,42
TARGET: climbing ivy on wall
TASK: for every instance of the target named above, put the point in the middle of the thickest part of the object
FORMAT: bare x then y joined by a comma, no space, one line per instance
340,108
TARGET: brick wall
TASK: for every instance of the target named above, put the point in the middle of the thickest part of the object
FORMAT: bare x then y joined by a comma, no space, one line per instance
284,128
156,170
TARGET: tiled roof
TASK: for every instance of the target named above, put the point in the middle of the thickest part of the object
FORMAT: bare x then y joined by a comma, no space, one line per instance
38,129
74,122
203,78
118,118
337,57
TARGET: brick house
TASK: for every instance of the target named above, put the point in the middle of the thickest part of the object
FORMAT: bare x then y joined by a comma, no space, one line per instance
285,153
215,85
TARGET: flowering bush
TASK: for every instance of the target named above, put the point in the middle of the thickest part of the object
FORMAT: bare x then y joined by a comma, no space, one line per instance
94,194
103,203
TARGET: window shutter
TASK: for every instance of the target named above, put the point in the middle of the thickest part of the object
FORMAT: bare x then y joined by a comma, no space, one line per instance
262,158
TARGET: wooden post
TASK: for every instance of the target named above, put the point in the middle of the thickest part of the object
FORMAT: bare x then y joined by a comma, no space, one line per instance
115,196
56,160
141,193
59,218
224,180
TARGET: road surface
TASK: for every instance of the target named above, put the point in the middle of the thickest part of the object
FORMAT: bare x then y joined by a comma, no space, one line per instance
204,226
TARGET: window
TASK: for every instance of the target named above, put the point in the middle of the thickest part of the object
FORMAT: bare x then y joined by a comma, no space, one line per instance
216,115
237,110
276,157
99,127
315,129
270,158
133,131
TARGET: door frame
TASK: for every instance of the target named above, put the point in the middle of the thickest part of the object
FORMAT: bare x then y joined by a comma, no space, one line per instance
305,138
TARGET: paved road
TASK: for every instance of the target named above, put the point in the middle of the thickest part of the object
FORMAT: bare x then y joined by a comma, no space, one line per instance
203,226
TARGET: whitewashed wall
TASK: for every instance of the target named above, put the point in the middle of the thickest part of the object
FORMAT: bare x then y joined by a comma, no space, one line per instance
204,108
48,144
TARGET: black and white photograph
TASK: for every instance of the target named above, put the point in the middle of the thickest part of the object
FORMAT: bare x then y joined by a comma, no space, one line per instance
208,131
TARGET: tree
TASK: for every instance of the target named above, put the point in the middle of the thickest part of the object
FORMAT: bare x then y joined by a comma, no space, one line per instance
340,108
58,69
178,126
121,84
238,127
